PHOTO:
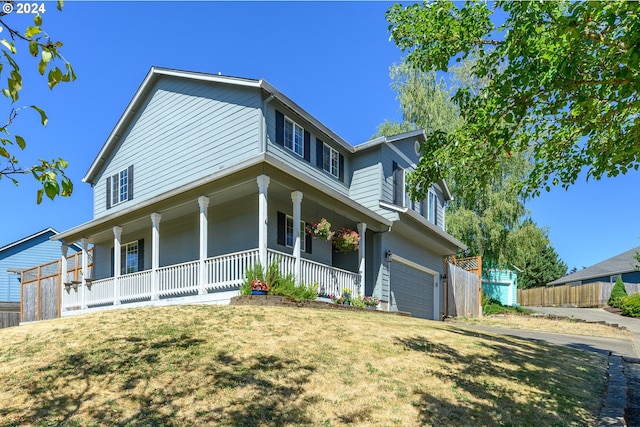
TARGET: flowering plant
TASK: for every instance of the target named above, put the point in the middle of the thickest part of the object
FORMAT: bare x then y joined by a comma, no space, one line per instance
345,240
321,229
259,285
345,298
371,301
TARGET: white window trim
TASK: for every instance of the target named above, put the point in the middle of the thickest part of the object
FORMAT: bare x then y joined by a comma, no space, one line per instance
289,220
333,156
116,188
432,206
124,251
294,125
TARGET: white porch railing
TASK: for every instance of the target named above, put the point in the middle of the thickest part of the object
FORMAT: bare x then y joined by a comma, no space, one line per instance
135,286
330,280
228,271
224,272
178,279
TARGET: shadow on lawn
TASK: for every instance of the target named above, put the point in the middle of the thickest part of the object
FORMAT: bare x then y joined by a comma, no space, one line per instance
479,397
155,389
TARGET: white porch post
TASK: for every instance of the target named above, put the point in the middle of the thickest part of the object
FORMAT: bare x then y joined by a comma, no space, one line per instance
63,264
263,184
362,230
117,268
203,202
296,198
85,271
155,254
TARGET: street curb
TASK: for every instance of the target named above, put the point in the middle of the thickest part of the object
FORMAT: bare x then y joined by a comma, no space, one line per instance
615,401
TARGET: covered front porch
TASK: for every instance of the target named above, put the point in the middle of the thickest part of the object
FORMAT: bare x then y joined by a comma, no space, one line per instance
187,261
183,283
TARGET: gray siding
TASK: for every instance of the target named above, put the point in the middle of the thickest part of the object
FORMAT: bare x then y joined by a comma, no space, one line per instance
368,176
184,131
294,160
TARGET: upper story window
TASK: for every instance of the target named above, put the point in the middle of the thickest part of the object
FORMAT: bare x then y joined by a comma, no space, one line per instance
120,187
432,208
294,137
330,160
120,191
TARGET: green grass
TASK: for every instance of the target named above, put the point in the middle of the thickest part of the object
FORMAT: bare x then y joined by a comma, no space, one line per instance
282,366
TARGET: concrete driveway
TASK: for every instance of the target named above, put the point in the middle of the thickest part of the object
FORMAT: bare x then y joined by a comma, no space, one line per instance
600,315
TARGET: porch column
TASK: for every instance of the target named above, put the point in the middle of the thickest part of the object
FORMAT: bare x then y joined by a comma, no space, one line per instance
296,198
155,254
117,267
362,230
63,264
203,202
263,184
85,271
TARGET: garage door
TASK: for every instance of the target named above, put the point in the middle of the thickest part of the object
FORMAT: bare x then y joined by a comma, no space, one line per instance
412,290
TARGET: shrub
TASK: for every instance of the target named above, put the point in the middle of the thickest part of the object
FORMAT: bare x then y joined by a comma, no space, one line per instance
253,273
493,306
276,283
631,305
617,293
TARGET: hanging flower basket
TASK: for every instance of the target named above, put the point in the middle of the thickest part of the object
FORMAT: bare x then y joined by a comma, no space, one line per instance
321,229
346,240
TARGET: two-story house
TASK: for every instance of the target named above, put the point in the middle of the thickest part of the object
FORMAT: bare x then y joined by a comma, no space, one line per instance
204,175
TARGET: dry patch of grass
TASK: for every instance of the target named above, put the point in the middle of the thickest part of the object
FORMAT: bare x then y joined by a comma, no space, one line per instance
280,366
542,323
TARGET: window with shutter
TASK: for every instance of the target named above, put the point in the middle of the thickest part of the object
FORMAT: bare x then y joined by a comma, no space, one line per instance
120,187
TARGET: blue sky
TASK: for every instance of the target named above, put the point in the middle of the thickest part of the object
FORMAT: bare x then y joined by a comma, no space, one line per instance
332,58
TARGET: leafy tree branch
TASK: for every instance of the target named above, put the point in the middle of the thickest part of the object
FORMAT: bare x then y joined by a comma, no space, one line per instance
50,174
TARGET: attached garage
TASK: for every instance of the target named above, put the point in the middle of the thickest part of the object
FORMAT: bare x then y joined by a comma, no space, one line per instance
414,288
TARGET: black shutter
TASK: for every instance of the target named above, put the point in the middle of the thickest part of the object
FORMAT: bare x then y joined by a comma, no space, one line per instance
130,182
307,242
279,128
282,227
341,167
307,146
319,153
109,192
141,255
398,185
112,260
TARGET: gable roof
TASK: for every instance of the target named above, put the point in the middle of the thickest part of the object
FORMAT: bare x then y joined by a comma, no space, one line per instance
622,263
50,230
156,73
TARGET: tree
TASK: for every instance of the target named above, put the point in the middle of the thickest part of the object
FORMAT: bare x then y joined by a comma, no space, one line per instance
47,53
563,85
618,292
491,222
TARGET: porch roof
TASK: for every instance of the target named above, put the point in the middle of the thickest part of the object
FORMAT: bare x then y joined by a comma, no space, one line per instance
239,174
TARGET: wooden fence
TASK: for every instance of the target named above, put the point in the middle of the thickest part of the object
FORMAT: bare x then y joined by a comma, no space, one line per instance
41,288
463,287
586,295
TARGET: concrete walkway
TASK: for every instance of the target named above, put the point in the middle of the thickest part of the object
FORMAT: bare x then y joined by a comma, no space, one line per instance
622,403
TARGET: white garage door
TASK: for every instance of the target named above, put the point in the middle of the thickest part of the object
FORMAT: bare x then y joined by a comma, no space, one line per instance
413,289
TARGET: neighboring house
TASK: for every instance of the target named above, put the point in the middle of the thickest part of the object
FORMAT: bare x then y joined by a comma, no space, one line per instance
204,175
622,265
25,253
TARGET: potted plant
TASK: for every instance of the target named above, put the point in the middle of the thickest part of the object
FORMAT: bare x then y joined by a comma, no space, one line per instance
321,229
345,240
258,287
371,302
344,299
